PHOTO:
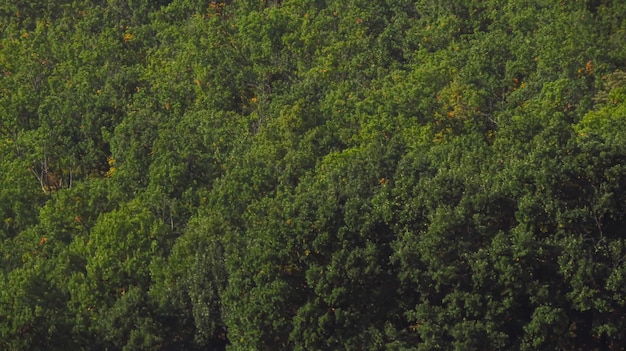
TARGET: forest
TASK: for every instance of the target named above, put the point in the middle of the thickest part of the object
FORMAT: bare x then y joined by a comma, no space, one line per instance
357,175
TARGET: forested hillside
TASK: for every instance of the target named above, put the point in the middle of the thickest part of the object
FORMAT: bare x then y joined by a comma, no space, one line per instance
313,175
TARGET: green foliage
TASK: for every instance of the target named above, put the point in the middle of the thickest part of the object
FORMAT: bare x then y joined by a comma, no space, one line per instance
108,290
312,175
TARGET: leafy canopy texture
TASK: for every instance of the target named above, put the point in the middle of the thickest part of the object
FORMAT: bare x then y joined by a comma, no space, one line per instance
312,175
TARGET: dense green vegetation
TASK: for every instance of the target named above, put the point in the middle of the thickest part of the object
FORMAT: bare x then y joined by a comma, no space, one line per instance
313,175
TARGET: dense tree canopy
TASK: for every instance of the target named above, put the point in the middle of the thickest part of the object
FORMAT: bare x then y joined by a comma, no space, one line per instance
313,175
